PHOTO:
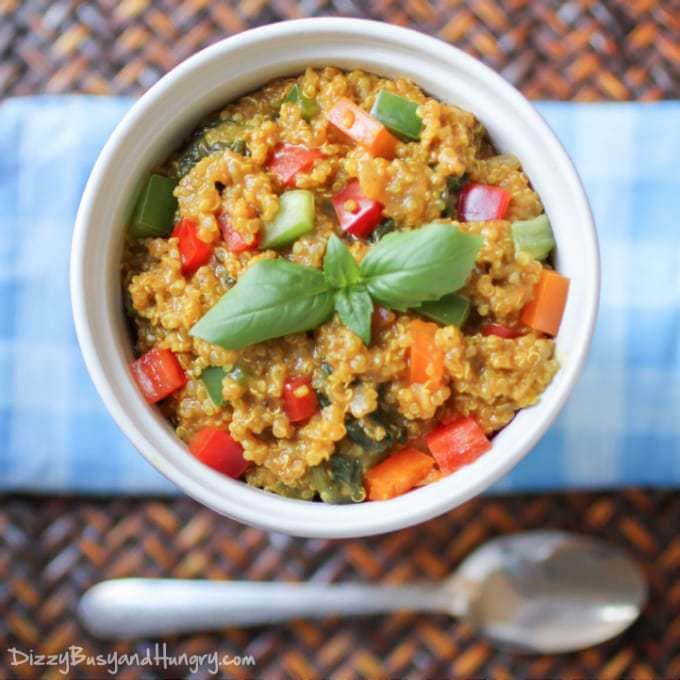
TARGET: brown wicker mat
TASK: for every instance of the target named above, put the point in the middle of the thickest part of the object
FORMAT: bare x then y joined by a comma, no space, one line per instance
579,49
51,550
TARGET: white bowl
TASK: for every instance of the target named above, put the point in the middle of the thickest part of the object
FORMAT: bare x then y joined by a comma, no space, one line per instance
170,109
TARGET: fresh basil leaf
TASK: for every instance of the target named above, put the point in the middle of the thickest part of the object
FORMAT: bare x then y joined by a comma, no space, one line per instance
272,299
451,310
355,309
339,267
407,268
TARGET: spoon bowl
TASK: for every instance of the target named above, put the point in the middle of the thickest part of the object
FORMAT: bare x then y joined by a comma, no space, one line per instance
538,592
548,591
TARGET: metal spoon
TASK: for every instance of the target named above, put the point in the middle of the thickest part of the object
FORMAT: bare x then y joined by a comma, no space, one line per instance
537,591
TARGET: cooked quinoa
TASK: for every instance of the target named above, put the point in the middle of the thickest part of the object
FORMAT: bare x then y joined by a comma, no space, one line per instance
364,392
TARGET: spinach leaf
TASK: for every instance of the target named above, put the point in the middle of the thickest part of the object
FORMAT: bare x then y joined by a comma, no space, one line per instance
450,194
407,268
385,227
395,432
199,148
339,479
339,266
451,310
273,298
355,309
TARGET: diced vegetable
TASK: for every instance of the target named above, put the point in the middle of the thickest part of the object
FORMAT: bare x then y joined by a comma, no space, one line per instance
154,213
362,128
449,197
381,318
482,202
500,331
398,114
457,444
236,242
339,479
308,106
427,360
356,214
451,310
289,159
220,451
385,227
534,237
299,398
157,374
397,474
200,148
294,218
359,431
193,252
544,312
212,378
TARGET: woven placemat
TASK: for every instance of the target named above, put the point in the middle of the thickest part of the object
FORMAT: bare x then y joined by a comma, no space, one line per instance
53,549
551,49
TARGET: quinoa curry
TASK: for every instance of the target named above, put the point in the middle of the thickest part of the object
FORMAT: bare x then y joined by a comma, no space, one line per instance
339,290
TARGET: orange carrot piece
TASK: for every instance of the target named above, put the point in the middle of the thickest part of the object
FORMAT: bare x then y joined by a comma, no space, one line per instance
362,128
427,360
544,312
397,474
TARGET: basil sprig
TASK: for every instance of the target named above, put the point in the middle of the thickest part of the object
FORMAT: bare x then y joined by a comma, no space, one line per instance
407,268
352,301
403,270
273,298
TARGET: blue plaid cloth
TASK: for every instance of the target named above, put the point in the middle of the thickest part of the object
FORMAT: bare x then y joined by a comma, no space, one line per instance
622,423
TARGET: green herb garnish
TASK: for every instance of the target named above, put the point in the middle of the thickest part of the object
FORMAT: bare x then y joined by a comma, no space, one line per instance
403,270
272,299
406,268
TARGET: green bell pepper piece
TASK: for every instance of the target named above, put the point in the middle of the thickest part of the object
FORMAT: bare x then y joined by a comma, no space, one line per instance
154,213
451,310
309,107
294,218
534,236
212,378
397,114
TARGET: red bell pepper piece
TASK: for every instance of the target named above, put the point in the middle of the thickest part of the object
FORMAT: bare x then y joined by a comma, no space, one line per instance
482,202
288,160
193,252
381,318
234,240
299,398
457,444
357,214
158,374
501,331
220,451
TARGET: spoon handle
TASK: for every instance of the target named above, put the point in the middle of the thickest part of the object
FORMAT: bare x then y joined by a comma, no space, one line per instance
136,607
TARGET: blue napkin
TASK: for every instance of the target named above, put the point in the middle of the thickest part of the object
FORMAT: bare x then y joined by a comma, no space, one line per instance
620,427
